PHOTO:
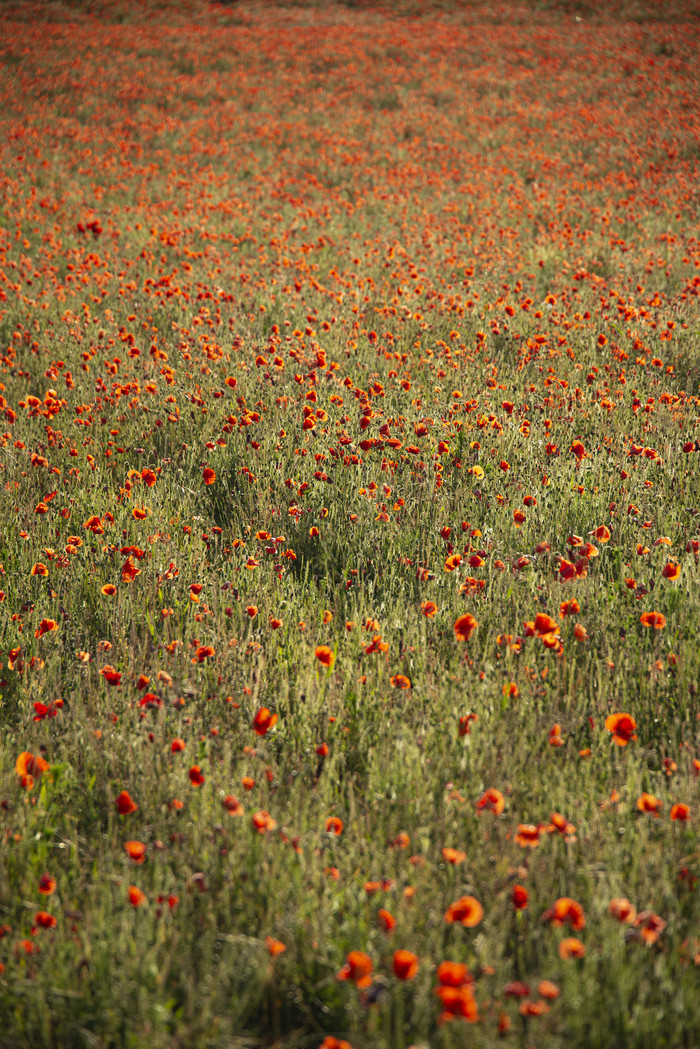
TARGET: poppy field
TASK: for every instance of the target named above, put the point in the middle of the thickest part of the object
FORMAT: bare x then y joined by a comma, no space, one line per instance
350,503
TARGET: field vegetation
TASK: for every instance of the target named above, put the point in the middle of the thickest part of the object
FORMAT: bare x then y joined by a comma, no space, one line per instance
350,503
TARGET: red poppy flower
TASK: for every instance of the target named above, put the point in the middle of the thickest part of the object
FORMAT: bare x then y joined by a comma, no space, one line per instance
136,897
263,821
457,1001
45,626
429,608
274,947
148,477
680,812
44,920
111,676
109,590
465,626
232,805
196,776
263,721
334,825
622,727
453,974
657,620
519,897
47,885
405,964
39,569
125,804
358,968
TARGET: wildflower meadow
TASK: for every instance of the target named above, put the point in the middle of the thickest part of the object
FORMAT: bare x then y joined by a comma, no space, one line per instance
350,525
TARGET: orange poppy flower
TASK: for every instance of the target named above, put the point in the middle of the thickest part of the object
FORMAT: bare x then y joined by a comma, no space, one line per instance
325,656
386,920
28,768
252,611
136,850
334,825
528,835
45,626
566,910
671,570
465,627
208,475
569,608
648,803
139,513
331,1042
657,620
544,625
94,525
429,608
453,856
452,562
602,533
453,974
109,590
650,926
274,947
405,964
680,812
136,897
400,681
39,569
177,745
376,645
47,885
466,910
263,821
621,909
492,800
358,968
622,727
571,948
125,804
148,477
263,721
